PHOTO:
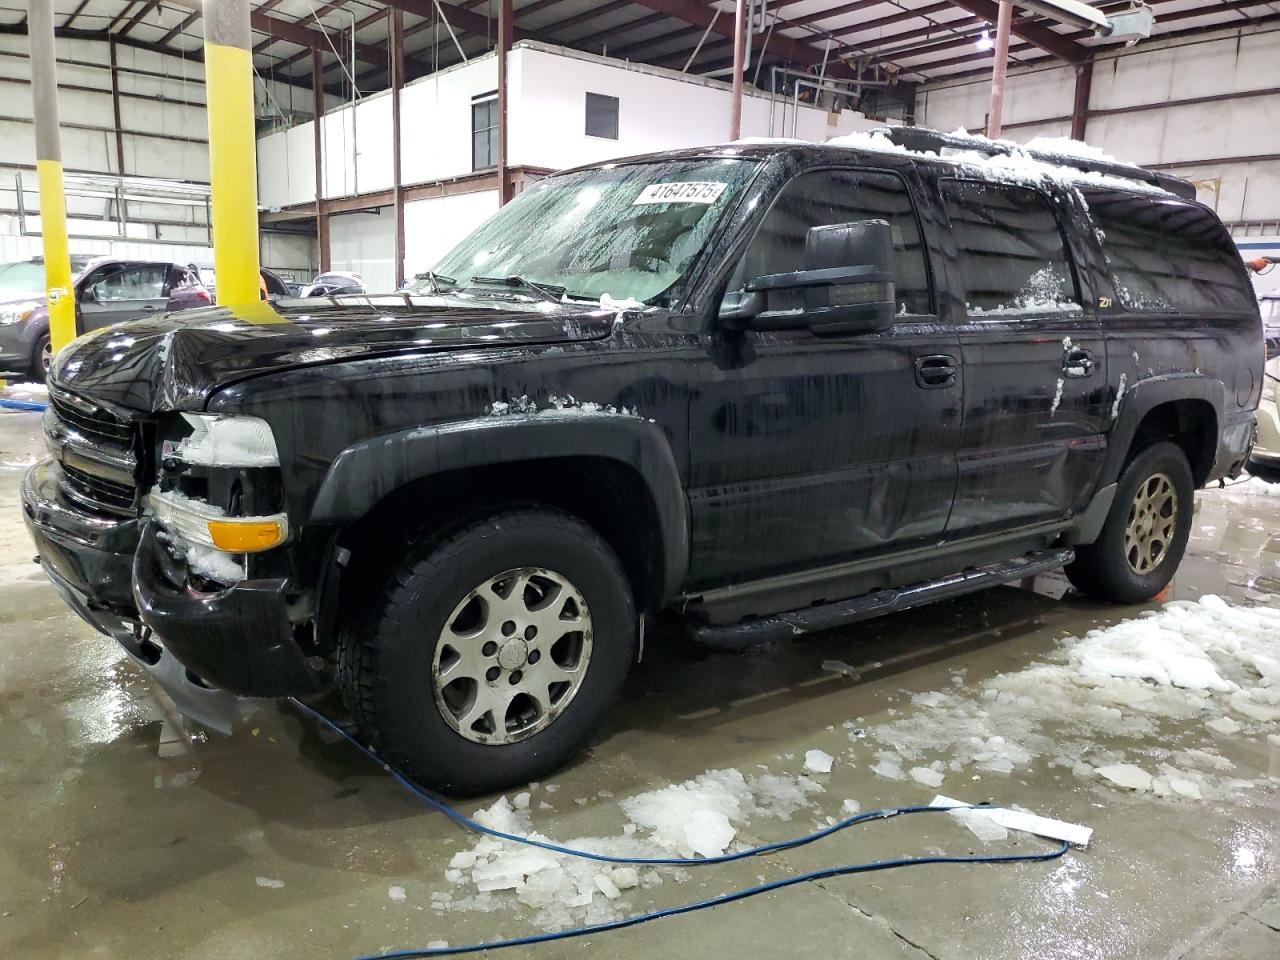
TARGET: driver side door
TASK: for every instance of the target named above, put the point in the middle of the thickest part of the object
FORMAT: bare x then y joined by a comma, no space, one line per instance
126,294
805,450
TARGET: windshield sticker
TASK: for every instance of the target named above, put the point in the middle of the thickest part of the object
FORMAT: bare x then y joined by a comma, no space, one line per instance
692,191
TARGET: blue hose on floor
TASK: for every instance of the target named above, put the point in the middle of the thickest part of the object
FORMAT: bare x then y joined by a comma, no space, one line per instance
838,871
21,404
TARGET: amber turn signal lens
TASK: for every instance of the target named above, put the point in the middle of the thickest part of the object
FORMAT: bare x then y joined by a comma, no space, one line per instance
242,537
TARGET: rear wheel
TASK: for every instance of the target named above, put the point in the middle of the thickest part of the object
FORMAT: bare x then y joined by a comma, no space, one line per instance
493,653
1146,531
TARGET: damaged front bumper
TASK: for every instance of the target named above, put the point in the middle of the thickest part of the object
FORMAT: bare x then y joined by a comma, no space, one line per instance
212,649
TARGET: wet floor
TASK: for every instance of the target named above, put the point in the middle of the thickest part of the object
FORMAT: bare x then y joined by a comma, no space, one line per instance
128,835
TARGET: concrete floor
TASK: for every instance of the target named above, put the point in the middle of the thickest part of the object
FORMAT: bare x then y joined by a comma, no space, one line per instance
126,838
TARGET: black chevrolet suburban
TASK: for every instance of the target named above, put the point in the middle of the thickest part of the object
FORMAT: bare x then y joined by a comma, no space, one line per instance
757,390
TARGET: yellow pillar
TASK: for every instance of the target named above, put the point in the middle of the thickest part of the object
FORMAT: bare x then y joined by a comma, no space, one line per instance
233,175
53,201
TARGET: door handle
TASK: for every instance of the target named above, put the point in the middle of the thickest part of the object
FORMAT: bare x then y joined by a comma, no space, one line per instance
936,370
150,307
1078,363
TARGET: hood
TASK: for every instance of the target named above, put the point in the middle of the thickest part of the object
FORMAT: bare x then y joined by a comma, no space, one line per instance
175,361
9,297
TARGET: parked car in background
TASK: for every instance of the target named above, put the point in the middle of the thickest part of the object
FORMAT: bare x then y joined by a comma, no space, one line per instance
272,283
334,284
107,289
1264,460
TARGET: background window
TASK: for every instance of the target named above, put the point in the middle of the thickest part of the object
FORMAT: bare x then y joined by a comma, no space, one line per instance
1167,255
135,283
1012,255
484,133
840,196
602,116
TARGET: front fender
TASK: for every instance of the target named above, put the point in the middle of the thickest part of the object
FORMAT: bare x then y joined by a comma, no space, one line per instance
365,472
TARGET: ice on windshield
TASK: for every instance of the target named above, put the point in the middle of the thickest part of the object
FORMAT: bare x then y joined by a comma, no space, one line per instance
627,232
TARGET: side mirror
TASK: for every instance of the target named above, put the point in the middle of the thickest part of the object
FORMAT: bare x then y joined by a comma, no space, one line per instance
846,286
90,294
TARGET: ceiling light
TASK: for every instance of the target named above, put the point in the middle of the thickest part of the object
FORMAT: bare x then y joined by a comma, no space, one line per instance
984,41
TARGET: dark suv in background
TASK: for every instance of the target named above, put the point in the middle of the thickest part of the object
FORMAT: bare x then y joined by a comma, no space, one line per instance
108,290
756,390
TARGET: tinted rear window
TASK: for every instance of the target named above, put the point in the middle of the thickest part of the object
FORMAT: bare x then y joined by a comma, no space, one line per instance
1013,258
1168,256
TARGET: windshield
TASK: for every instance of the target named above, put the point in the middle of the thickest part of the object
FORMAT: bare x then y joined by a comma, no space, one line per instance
28,275
25,275
630,232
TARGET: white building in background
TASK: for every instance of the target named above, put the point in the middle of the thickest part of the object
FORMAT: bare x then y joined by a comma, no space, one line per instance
565,108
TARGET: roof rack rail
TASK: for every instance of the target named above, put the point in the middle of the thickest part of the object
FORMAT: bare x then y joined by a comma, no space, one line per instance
924,139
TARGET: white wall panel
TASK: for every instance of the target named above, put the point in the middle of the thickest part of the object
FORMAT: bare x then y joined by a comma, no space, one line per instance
364,243
657,110
434,227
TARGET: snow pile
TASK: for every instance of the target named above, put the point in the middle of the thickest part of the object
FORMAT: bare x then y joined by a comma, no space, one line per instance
1206,659
698,818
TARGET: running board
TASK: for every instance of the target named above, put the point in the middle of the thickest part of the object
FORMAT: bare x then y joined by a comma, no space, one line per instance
782,625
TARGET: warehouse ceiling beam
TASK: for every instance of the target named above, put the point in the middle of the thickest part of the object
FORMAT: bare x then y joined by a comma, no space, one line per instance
66,24
1059,44
782,46
138,17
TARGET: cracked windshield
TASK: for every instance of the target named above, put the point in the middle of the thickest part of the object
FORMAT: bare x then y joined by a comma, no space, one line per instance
627,232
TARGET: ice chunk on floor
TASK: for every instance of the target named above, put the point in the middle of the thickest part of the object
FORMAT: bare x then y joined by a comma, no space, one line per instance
818,761
397,894
1185,788
708,833
979,824
1127,775
269,883
927,776
1223,725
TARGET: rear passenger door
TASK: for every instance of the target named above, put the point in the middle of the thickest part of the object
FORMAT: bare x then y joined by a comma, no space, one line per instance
1035,412
806,450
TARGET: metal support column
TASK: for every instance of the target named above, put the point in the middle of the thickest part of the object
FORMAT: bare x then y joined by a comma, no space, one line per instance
53,201
995,115
397,188
739,65
317,109
1080,106
506,35
233,170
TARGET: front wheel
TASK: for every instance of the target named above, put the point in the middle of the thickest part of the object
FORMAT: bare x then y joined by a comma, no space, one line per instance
41,358
1145,533
492,654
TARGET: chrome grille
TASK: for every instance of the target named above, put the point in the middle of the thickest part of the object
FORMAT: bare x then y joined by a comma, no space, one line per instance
98,493
95,449
90,420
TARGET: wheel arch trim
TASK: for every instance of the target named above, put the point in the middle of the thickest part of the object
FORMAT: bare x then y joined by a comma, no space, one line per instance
369,470
1148,394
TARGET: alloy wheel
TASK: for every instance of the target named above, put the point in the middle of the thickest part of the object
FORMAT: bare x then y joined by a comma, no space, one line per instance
512,655
1153,520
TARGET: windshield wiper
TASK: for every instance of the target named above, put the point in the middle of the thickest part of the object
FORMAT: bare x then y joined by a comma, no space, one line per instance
438,283
548,291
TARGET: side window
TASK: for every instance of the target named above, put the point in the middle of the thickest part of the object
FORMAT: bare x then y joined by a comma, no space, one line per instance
136,283
1013,258
1167,255
840,196
484,132
602,116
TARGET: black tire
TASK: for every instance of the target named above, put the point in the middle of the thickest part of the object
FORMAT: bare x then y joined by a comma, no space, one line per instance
386,661
38,372
1105,569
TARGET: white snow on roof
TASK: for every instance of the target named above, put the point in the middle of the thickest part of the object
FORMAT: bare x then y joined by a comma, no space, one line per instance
1019,167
